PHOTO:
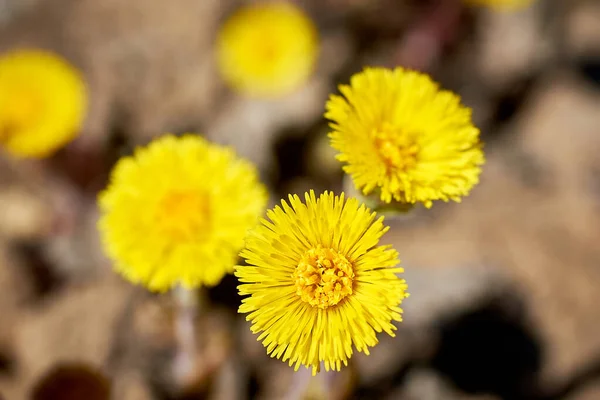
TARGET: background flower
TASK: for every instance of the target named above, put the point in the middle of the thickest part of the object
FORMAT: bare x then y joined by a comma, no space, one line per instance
177,212
43,101
501,4
267,50
318,281
399,134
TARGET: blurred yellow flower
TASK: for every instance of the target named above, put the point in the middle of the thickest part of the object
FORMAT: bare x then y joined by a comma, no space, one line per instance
501,4
398,134
318,281
43,100
267,50
177,211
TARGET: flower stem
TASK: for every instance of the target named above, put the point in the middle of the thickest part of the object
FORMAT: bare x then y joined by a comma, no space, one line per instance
187,303
300,383
326,383
306,386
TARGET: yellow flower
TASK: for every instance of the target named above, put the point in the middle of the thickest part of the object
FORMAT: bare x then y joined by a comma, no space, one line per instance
43,101
400,135
267,50
318,281
501,4
177,211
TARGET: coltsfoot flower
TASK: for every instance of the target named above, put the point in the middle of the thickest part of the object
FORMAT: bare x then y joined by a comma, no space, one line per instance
177,211
501,4
318,282
403,138
267,49
43,101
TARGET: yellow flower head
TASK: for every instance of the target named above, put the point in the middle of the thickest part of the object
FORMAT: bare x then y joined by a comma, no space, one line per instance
400,135
500,4
318,281
267,50
177,211
43,100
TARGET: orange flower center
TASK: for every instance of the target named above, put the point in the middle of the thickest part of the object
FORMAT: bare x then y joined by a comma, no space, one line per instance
323,277
184,215
398,150
267,48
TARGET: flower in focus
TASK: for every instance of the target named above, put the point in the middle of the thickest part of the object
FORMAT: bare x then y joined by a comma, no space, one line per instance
501,4
177,211
43,100
267,50
398,134
318,283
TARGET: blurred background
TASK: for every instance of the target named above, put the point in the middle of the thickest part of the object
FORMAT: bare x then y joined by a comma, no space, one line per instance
504,286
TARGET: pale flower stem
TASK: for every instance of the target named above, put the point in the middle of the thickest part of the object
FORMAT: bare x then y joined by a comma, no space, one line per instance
187,306
300,384
326,385
306,386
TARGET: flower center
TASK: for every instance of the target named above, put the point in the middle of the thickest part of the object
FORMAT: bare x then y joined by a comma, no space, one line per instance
183,215
267,49
398,150
323,277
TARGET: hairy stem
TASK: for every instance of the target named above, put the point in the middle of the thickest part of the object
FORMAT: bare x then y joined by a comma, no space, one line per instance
187,303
